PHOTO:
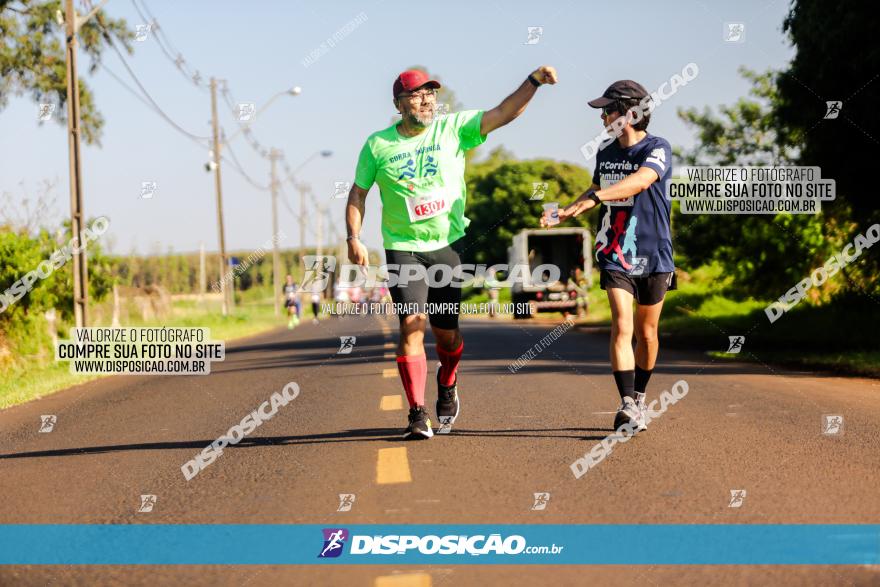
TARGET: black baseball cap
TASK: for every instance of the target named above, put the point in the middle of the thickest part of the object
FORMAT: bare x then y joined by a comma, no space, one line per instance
620,90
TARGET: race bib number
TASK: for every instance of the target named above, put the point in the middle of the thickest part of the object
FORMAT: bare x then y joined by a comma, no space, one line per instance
426,206
608,180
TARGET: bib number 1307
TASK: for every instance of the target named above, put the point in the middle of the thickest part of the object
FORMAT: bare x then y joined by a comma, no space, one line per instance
427,206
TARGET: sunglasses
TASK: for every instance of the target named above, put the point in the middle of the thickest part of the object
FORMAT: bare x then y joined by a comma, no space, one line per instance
610,109
421,96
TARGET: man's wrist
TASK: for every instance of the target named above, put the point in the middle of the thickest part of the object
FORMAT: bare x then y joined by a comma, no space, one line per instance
352,237
534,81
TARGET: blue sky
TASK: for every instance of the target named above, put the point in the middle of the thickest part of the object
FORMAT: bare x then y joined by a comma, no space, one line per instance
477,48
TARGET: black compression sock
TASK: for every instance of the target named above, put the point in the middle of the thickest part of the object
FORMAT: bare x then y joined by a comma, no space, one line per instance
642,378
625,381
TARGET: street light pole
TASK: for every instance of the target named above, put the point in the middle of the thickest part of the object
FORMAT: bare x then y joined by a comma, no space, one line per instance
274,155
320,250
302,188
302,222
215,128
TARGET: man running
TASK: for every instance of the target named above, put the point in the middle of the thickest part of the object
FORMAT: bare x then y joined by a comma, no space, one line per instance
633,240
419,166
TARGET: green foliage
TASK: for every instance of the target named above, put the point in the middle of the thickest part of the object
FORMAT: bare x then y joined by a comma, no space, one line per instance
764,254
828,66
746,133
500,205
22,253
32,57
178,273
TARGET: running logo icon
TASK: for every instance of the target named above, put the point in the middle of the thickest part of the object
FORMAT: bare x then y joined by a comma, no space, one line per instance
737,497
141,32
736,344
833,109
334,541
638,265
734,32
346,344
45,112
47,422
539,190
534,35
318,269
341,189
148,189
541,500
832,425
147,503
346,501
445,425
246,111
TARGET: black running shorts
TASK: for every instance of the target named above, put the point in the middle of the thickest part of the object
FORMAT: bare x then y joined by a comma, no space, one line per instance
441,302
647,290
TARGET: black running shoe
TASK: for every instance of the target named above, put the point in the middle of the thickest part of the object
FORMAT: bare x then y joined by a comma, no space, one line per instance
419,424
447,403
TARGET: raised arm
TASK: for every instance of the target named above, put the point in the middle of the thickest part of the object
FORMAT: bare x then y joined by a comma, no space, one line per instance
514,104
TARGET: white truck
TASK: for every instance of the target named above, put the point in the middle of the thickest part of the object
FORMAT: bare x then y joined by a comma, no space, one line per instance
566,248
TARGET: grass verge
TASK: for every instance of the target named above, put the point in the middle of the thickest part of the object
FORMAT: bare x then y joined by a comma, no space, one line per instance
37,378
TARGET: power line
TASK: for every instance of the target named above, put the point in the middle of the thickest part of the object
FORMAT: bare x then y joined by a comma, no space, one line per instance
169,50
162,40
146,94
236,164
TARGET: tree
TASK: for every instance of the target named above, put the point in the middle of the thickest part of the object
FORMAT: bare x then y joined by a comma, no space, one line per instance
32,57
836,61
500,202
763,254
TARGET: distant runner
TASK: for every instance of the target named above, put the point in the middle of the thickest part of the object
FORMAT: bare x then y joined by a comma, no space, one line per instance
291,302
633,242
419,166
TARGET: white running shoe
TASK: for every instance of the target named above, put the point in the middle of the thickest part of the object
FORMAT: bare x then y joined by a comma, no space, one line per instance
643,408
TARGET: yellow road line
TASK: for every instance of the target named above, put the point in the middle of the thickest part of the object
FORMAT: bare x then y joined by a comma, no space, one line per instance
404,580
390,356
388,373
389,345
392,466
391,402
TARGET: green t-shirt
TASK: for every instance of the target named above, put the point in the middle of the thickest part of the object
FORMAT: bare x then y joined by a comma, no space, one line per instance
421,181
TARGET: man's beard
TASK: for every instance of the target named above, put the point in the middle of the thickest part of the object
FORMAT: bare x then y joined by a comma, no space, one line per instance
418,120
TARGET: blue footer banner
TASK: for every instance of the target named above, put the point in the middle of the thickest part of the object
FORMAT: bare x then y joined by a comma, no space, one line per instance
266,544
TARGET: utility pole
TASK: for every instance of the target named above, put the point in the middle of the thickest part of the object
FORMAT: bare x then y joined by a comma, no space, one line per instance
203,280
302,223
320,231
77,218
276,257
215,127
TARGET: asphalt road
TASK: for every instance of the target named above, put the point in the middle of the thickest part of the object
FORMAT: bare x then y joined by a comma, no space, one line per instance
741,426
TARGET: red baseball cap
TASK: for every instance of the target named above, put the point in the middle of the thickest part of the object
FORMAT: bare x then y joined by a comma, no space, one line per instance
413,79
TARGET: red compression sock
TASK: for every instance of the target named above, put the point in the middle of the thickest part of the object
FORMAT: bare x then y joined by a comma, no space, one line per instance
449,364
413,373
